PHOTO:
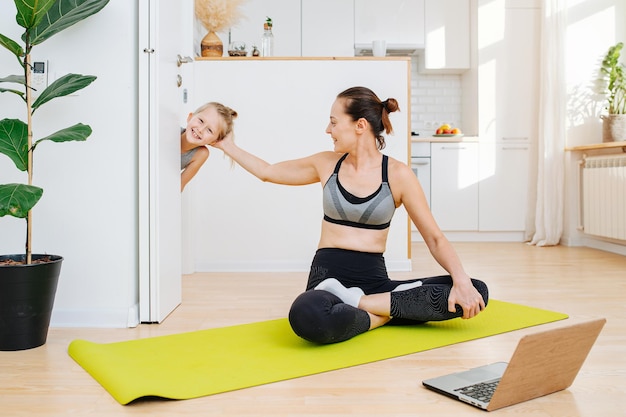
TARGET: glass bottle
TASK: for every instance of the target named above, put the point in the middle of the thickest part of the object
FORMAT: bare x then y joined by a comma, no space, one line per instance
267,41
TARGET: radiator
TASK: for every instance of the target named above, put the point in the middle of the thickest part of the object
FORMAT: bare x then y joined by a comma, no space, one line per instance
604,196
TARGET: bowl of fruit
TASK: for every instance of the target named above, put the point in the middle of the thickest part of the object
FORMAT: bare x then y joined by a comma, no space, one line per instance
445,130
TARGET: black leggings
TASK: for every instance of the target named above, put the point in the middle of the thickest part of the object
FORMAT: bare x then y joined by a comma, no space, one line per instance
321,317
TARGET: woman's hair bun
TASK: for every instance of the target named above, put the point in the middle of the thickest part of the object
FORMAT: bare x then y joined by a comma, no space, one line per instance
390,105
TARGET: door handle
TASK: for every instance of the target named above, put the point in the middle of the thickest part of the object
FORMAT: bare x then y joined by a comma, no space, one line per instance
180,60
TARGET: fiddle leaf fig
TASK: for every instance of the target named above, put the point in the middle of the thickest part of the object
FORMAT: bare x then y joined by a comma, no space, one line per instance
64,86
12,46
78,132
14,141
40,19
64,14
31,12
17,199
15,79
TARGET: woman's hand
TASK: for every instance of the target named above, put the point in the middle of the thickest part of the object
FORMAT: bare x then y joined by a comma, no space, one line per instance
467,297
228,139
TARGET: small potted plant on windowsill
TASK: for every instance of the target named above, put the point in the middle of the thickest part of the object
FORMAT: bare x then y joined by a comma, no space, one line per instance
613,82
28,281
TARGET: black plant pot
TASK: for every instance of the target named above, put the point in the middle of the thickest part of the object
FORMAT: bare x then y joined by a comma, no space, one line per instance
26,299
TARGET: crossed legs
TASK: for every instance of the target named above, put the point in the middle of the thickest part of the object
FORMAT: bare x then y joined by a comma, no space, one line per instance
333,313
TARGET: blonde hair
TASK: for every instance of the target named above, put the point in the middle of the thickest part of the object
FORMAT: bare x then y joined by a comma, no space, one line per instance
227,114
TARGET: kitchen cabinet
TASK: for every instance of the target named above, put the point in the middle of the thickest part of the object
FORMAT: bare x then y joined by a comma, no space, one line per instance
454,185
505,75
327,28
395,21
503,189
504,80
517,77
509,130
446,36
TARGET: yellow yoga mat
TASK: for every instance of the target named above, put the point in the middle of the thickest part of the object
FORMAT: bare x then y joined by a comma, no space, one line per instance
205,362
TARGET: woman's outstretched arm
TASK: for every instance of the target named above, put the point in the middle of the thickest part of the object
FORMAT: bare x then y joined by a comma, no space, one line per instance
294,172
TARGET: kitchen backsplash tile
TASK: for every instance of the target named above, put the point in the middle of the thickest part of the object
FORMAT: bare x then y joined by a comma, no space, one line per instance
435,99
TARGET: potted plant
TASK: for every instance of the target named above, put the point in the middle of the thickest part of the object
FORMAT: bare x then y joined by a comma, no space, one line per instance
614,88
28,281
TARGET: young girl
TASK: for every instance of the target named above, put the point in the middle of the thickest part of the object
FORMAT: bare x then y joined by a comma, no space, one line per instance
208,124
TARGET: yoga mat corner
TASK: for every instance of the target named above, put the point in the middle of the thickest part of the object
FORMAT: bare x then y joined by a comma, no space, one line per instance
206,362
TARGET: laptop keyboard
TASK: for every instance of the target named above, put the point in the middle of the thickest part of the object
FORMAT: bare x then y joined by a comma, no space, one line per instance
483,391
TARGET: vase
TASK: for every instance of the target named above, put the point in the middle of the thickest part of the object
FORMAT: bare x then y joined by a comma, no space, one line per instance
27,295
211,45
613,127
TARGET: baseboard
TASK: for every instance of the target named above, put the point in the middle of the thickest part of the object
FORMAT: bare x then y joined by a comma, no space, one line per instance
607,245
281,266
476,236
116,319
604,245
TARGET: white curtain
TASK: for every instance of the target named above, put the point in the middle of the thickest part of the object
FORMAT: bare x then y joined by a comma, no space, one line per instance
545,223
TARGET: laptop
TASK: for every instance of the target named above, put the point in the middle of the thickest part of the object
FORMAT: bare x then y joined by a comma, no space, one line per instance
542,363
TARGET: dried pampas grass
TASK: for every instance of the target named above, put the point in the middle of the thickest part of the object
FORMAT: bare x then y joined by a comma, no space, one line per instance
217,15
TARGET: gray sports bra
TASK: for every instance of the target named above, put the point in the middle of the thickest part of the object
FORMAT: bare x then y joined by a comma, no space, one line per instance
372,212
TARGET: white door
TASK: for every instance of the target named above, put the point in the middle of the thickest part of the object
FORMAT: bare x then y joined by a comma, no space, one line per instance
161,41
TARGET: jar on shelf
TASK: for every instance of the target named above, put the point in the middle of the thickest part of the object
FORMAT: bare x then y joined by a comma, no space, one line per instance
267,40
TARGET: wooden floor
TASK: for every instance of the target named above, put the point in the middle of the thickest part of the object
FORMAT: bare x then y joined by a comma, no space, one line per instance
584,283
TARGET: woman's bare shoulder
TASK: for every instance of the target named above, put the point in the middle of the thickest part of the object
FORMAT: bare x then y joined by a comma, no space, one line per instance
401,176
326,157
325,163
398,167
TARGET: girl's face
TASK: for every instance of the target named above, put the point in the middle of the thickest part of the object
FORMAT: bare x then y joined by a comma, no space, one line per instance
341,127
203,127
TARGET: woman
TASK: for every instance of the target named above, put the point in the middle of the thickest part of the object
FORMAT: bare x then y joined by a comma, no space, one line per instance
209,123
349,291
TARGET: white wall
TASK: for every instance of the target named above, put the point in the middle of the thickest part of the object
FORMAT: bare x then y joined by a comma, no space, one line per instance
435,99
606,21
240,223
88,211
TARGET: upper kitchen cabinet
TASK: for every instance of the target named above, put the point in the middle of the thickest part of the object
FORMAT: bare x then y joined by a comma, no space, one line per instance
287,30
517,76
501,89
398,22
327,28
447,36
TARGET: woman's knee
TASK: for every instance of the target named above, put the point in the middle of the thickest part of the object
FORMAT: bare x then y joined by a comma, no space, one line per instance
482,288
309,314
321,317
